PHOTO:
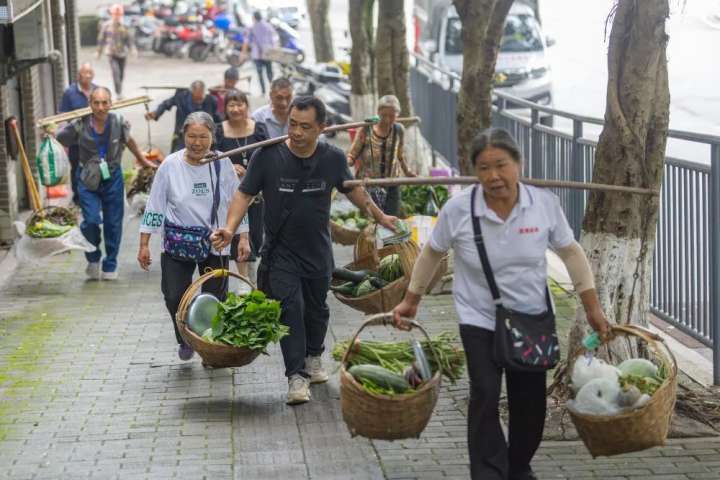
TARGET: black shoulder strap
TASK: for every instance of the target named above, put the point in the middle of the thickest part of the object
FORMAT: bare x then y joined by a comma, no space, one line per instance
480,244
289,206
216,193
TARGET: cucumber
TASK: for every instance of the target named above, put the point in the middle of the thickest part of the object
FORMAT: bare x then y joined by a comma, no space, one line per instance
356,276
347,289
382,377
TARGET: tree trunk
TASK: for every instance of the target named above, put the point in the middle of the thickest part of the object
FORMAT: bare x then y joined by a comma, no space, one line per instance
619,229
362,56
392,56
322,34
483,24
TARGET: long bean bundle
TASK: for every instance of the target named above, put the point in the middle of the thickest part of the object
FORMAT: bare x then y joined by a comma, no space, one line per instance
395,356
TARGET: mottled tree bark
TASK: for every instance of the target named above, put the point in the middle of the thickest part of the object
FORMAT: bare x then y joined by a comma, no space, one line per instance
362,58
322,34
619,229
483,23
392,56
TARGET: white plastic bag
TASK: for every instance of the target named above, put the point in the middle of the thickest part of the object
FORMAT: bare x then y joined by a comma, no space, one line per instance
33,250
52,162
597,397
589,368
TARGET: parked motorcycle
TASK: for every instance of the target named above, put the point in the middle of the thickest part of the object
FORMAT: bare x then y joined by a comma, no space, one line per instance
289,38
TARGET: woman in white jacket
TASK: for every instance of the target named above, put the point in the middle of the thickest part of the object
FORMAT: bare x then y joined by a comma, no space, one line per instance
187,201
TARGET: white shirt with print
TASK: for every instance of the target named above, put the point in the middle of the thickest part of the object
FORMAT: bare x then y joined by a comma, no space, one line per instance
516,249
183,194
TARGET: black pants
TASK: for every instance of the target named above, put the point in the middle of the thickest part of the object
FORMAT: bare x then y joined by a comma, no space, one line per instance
305,311
491,457
117,65
266,65
257,233
392,201
177,277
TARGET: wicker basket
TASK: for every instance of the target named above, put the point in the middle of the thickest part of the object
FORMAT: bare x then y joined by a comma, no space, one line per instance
216,355
386,417
638,429
342,235
388,297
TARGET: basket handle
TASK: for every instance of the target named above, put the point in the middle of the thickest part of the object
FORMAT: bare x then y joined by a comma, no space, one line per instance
189,294
386,319
651,338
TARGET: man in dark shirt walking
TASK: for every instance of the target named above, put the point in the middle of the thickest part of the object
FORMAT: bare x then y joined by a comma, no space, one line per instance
297,178
186,102
75,97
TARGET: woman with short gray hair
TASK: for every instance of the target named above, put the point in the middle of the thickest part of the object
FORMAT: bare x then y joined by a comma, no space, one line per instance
189,199
379,152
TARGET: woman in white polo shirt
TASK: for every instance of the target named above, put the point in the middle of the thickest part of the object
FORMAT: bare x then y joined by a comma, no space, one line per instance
518,223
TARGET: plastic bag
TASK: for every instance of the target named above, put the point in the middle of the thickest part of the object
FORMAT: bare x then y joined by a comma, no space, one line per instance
33,250
597,397
52,162
587,368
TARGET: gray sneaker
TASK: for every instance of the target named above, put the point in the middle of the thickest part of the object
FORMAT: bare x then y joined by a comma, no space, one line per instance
314,367
298,390
110,275
93,270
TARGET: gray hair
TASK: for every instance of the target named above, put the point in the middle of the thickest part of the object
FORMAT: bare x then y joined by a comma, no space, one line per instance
389,101
197,84
200,118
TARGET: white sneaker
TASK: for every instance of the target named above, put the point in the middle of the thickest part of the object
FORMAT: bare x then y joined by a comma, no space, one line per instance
110,275
313,365
298,390
93,270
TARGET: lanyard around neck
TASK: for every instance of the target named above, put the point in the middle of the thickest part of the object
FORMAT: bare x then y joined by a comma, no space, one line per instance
101,147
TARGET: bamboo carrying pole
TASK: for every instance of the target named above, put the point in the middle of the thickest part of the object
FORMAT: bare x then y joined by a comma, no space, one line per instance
67,116
391,182
211,157
33,193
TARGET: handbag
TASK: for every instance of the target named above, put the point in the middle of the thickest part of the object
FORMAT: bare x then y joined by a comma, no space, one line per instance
192,244
263,271
522,342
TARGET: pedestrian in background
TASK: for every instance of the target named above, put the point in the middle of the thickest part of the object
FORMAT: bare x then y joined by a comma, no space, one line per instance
239,130
230,81
513,224
185,102
261,38
187,200
101,139
116,40
297,178
378,151
76,97
275,115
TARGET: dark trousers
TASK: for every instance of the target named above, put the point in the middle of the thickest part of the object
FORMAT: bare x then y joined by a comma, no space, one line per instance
392,201
305,311
266,65
103,206
177,277
491,457
117,65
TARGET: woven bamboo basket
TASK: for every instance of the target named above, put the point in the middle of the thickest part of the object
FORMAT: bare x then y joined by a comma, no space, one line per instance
216,355
365,246
385,417
638,429
388,297
56,214
342,235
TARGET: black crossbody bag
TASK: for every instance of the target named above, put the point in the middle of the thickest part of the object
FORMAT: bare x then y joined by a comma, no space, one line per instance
523,342
263,272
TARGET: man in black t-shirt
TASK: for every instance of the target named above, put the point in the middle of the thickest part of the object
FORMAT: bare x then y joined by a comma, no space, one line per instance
297,178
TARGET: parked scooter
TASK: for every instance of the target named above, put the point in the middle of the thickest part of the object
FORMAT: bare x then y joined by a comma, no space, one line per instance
289,38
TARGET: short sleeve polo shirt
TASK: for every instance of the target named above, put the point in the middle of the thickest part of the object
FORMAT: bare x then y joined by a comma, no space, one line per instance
516,248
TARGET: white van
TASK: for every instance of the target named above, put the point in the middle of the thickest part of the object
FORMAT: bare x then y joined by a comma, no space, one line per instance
522,66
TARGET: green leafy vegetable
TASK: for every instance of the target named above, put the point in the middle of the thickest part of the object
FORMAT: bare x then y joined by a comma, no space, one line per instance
251,321
46,229
391,268
422,199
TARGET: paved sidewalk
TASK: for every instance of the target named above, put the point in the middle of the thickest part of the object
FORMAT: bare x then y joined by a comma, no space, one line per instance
91,387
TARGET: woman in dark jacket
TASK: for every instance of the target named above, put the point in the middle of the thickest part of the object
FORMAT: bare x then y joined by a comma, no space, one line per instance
239,130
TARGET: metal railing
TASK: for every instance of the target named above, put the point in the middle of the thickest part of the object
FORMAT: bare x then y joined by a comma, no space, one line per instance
686,263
